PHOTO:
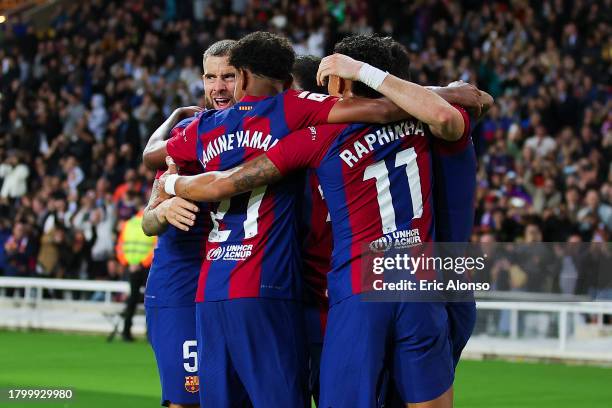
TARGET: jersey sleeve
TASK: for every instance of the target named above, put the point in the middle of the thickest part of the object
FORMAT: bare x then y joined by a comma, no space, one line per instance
445,147
303,108
182,144
303,148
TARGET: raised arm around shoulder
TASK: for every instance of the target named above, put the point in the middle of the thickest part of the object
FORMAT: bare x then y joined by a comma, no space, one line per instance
365,110
154,154
220,185
444,121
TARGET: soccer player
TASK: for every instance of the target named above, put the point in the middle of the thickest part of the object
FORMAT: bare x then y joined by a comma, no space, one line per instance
454,168
351,162
451,161
181,226
316,245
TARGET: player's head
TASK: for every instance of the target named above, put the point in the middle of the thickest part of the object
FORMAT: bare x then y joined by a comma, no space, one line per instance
263,62
305,72
219,76
381,52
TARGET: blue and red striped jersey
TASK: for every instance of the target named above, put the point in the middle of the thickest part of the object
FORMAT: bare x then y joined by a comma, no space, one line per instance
455,166
317,242
177,257
378,185
252,249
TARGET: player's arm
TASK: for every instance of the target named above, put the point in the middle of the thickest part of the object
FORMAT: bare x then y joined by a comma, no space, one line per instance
159,214
365,110
220,185
444,121
461,93
155,152
301,149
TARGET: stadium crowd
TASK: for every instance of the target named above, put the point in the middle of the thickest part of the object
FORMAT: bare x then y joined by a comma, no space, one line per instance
79,100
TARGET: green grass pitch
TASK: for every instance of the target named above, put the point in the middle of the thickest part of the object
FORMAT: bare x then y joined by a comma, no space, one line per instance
124,375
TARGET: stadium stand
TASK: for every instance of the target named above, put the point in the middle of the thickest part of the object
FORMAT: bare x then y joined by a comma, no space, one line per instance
80,97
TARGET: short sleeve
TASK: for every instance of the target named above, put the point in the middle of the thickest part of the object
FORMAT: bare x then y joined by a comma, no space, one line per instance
182,144
303,148
303,108
445,147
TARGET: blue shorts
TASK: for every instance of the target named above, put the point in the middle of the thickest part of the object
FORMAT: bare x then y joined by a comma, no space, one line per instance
462,319
254,353
172,334
315,320
364,340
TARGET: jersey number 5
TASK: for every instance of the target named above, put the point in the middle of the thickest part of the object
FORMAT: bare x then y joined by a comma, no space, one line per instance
379,172
190,356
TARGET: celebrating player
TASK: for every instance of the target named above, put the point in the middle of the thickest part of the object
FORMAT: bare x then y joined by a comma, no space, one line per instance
345,163
172,282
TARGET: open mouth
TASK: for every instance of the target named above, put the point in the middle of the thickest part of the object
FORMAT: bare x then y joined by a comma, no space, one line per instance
222,103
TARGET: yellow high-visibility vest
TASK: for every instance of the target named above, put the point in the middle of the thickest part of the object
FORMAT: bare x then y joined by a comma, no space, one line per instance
133,246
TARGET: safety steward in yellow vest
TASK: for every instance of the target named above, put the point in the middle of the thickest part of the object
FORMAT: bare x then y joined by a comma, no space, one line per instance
135,251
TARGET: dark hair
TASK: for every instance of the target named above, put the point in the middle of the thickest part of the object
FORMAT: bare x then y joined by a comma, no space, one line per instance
305,71
264,54
219,49
381,52
401,61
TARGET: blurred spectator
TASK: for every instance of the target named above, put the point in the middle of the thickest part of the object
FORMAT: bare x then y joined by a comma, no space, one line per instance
19,251
14,174
541,143
593,209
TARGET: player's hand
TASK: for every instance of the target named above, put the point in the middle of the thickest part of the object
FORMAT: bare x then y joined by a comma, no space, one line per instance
172,169
178,212
186,111
339,65
468,96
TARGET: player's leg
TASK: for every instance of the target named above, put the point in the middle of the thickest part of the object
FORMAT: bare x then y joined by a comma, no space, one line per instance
172,334
268,347
357,338
423,367
315,319
219,386
443,401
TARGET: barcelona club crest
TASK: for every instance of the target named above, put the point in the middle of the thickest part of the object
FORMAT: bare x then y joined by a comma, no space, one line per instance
192,383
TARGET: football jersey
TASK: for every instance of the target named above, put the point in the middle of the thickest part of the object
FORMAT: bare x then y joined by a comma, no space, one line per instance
252,249
317,242
455,166
378,185
177,257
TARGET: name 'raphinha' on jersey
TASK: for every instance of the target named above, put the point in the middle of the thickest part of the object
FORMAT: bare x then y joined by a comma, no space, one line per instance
381,137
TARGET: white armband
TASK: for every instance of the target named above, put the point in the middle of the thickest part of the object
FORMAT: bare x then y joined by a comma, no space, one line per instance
170,182
371,76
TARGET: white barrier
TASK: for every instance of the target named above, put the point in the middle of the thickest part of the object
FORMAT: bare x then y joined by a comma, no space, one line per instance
595,345
32,311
